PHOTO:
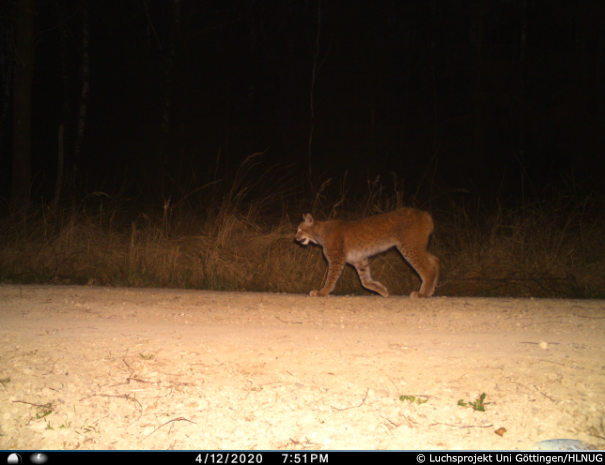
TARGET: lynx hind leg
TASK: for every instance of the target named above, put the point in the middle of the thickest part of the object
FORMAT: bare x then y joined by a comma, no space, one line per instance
363,270
335,267
427,267
437,267
427,288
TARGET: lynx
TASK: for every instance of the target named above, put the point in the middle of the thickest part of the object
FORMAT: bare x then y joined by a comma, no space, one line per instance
354,242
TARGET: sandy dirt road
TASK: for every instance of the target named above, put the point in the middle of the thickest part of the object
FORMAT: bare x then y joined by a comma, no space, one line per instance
106,368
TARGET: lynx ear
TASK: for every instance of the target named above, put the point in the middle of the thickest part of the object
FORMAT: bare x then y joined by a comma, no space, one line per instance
308,218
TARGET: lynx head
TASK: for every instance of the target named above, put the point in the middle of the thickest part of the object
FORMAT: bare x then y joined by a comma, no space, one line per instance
304,233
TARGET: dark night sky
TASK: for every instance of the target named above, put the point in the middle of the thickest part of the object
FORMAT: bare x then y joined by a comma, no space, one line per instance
445,91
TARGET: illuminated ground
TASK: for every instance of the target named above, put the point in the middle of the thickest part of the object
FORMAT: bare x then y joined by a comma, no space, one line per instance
102,368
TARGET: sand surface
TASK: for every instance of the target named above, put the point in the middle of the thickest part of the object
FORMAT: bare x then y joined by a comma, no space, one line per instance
107,368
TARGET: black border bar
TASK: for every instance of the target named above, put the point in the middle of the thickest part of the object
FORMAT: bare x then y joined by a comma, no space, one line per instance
215,457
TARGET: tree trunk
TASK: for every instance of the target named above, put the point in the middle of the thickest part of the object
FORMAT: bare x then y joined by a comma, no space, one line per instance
314,72
7,71
169,78
62,19
478,12
85,88
22,109
521,97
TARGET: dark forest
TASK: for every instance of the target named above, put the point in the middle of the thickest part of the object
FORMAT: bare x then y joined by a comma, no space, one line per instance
173,108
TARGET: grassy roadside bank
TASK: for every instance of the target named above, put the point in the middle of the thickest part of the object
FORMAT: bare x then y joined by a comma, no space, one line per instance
548,249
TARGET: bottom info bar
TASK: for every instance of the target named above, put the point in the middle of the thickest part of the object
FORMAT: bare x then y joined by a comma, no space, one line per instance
301,457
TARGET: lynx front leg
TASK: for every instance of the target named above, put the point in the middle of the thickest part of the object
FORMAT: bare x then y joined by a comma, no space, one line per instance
363,270
335,267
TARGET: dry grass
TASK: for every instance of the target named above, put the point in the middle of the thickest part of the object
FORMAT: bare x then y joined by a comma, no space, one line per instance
546,249
543,250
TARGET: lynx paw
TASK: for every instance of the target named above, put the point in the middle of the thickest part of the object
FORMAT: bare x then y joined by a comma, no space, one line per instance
317,294
383,292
